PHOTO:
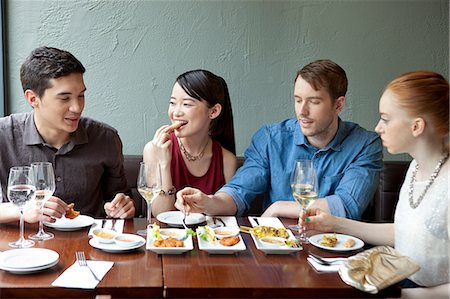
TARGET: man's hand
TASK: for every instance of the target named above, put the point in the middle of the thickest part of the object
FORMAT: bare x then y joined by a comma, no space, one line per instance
53,208
122,206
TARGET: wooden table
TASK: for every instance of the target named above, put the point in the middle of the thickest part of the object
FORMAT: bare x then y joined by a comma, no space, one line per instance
144,274
137,274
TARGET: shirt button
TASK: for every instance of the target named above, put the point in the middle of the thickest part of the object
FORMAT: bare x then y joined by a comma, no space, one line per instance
58,179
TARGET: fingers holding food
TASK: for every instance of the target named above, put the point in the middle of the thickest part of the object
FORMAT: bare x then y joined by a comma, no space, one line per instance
177,124
71,213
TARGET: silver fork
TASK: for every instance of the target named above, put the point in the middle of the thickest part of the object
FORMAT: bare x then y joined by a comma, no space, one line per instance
81,259
184,220
322,261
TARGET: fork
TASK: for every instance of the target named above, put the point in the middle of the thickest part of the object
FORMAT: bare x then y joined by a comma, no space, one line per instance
81,259
322,261
184,220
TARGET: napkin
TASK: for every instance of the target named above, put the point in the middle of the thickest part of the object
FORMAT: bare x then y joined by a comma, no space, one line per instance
109,222
325,268
80,277
229,220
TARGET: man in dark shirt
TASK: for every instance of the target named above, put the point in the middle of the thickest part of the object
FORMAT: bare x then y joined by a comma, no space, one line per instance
86,154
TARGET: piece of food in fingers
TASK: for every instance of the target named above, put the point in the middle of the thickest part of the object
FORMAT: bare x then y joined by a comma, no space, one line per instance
177,124
349,243
71,213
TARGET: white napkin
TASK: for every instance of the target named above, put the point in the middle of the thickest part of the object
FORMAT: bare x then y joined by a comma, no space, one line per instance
108,224
324,268
266,221
80,277
229,221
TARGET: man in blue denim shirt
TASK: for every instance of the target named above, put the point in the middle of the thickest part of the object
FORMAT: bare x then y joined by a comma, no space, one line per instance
347,158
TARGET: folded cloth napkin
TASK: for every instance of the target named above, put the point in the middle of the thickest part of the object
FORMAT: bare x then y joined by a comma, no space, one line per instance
228,220
77,276
325,268
118,225
377,268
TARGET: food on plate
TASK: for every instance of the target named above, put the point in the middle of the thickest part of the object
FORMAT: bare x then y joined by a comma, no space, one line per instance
229,241
169,242
329,240
349,243
262,231
104,234
71,213
227,231
207,234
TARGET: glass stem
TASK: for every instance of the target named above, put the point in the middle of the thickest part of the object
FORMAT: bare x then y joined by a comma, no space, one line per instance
149,212
41,224
21,238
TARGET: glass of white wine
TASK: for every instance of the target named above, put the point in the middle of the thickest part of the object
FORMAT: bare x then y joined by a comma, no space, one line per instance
20,191
304,190
149,186
44,180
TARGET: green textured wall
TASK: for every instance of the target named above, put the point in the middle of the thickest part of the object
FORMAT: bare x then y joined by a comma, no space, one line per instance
133,51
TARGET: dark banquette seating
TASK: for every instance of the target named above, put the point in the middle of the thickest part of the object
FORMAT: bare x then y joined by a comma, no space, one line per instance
381,208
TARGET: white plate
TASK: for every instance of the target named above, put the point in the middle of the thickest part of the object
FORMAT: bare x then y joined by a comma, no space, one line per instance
175,218
274,222
217,248
113,247
315,240
65,224
28,260
188,245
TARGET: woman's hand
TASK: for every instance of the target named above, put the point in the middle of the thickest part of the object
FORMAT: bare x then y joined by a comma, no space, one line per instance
316,219
159,147
191,200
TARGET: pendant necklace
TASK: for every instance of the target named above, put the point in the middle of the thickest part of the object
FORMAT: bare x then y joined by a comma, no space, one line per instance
433,176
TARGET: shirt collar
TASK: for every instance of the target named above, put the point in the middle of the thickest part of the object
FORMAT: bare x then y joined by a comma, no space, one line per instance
335,143
31,135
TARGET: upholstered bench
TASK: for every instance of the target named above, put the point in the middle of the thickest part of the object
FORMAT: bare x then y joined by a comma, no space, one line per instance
381,208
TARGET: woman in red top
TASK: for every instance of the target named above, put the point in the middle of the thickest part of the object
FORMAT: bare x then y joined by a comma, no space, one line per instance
201,152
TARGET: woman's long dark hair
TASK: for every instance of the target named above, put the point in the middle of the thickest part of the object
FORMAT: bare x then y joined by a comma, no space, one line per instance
206,86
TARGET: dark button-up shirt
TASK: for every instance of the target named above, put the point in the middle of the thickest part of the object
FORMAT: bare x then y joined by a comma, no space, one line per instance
88,169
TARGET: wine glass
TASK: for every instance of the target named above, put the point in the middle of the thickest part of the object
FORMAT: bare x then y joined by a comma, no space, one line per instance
304,189
44,180
149,186
21,190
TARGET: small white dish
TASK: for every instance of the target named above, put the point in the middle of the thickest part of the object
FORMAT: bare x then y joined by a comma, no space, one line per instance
217,248
273,242
113,247
341,238
226,231
28,260
104,235
188,245
179,234
127,240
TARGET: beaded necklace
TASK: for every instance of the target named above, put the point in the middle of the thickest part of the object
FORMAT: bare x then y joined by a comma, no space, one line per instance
188,155
433,176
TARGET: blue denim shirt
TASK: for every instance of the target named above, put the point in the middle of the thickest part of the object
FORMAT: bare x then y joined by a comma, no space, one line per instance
348,167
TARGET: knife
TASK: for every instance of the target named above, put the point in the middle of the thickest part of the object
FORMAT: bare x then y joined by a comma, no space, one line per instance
256,220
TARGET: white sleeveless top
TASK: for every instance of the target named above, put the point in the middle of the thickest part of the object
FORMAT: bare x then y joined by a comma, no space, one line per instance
423,233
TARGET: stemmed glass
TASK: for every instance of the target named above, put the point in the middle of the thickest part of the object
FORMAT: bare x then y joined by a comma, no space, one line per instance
149,186
304,189
44,180
21,189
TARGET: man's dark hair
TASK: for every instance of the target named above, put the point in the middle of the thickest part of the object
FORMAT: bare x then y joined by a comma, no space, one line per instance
45,63
327,74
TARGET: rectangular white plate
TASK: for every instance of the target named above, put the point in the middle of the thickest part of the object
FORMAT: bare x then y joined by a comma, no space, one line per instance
188,245
217,248
274,222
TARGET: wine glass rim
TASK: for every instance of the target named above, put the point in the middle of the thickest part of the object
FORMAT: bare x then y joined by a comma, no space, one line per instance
20,167
41,163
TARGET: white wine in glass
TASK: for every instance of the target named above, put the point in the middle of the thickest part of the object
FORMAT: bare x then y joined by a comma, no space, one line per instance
304,189
149,186
21,190
44,179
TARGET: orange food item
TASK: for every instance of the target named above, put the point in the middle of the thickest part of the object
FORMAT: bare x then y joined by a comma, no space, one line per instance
349,243
71,213
229,241
176,125
169,242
